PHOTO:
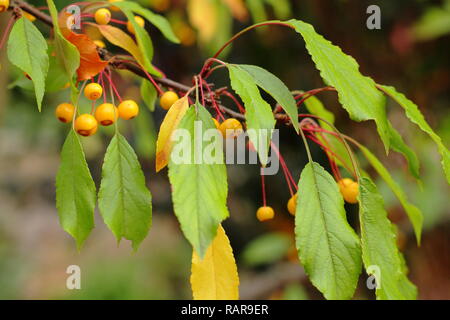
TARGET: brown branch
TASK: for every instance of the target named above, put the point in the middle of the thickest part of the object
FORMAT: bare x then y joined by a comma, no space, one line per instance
32,10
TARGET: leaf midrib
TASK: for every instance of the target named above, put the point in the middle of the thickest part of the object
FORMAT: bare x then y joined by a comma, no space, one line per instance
324,222
122,197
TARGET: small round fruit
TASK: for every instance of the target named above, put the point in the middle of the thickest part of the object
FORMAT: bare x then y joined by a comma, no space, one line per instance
28,16
139,21
265,213
114,8
93,131
231,128
106,114
168,99
64,112
93,91
292,204
86,125
216,123
102,16
4,5
99,43
128,109
349,190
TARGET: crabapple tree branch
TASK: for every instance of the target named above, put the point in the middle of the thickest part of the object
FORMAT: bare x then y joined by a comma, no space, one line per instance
17,5
106,55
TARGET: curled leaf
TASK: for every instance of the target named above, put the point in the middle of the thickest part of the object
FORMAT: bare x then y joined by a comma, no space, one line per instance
90,62
168,126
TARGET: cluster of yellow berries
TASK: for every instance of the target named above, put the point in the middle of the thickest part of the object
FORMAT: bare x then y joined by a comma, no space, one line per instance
103,16
106,114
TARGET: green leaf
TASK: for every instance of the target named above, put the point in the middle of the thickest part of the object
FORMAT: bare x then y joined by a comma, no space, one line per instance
328,247
149,94
157,20
56,77
124,201
266,249
276,88
145,135
143,39
75,191
414,115
414,213
357,93
397,144
379,249
199,191
258,113
27,49
66,52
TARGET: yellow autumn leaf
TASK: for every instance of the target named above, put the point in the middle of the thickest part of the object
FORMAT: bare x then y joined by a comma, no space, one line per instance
215,277
203,16
238,9
119,38
168,126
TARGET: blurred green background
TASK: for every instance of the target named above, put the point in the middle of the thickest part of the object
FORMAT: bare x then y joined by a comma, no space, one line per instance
410,52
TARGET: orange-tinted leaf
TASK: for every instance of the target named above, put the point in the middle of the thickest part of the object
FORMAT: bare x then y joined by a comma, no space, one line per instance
90,62
168,126
119,38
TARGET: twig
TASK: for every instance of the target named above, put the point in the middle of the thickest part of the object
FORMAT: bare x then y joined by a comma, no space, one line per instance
32,10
